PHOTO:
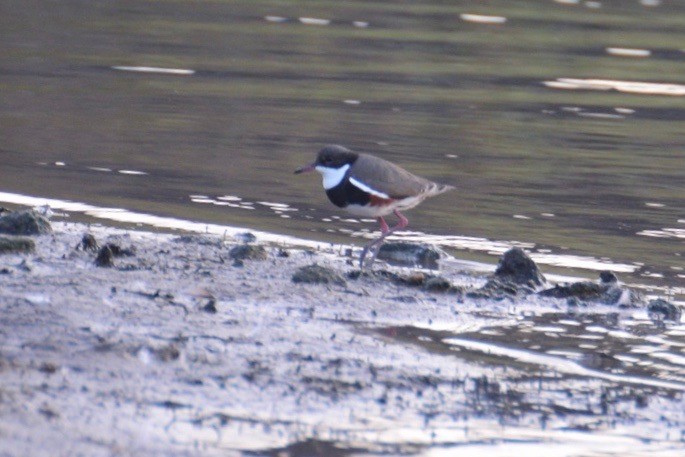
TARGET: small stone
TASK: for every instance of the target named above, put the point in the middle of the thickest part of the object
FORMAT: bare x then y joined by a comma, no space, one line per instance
608,277
167,353
414,279
118,251
16,245
210,307
105,257
437,284
48,368
88,243
27,222
583,290
517,267
660,309
316,274
607,291
248,252
283,253
409,254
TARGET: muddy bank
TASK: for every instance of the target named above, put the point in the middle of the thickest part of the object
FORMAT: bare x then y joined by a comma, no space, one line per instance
135,343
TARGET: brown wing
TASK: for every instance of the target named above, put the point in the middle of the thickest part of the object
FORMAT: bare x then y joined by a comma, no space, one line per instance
386,177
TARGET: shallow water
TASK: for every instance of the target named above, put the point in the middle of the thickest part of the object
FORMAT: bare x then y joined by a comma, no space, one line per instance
559,122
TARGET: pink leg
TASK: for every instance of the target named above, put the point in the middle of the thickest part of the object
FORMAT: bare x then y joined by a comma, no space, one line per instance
402,223
385,231
384,225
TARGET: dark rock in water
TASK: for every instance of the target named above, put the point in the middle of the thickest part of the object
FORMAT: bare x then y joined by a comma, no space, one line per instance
607,291
88,243
660,309
26,222
608,277
409,254
105,257
16,245
248,252
516,275
517,267
316,274
584,290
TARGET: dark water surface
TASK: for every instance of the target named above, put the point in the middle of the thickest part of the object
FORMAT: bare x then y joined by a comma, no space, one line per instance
560,123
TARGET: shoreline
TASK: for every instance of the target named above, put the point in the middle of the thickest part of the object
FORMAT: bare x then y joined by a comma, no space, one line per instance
482,251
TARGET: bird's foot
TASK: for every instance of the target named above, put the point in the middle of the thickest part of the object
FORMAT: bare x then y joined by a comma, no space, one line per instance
371,248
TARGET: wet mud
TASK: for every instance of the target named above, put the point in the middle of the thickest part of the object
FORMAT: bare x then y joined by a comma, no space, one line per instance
172,350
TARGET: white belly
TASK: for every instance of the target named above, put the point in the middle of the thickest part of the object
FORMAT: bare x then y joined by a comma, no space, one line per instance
380,211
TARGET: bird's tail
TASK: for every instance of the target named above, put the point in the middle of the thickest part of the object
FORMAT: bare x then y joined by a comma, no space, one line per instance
437,189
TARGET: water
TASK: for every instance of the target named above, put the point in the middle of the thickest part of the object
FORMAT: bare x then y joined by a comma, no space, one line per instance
496,99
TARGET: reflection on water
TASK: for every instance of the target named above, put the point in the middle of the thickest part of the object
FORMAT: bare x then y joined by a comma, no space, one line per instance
560,126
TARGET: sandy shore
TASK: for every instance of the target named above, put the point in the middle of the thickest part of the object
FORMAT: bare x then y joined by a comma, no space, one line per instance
179,349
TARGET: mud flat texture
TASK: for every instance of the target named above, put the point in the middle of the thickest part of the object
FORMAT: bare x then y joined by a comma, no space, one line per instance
143,344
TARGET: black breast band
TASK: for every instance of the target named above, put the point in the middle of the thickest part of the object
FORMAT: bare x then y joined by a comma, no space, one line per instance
347,193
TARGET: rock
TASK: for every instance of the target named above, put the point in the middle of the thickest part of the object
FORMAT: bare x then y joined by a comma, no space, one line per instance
210,307
409,254
428,282
106,254
316,274
105,257
516,275
608,277
517,267
607,291
248,252
585,290
660,309
88,243
118,251
27,222
437,284
16,245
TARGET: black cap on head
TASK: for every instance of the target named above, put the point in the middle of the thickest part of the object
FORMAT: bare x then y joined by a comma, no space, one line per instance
335,156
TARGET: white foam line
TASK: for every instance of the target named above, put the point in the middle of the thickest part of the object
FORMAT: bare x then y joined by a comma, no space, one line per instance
559,364
629,52
634,87
132,172
314,21
482,19
164,71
